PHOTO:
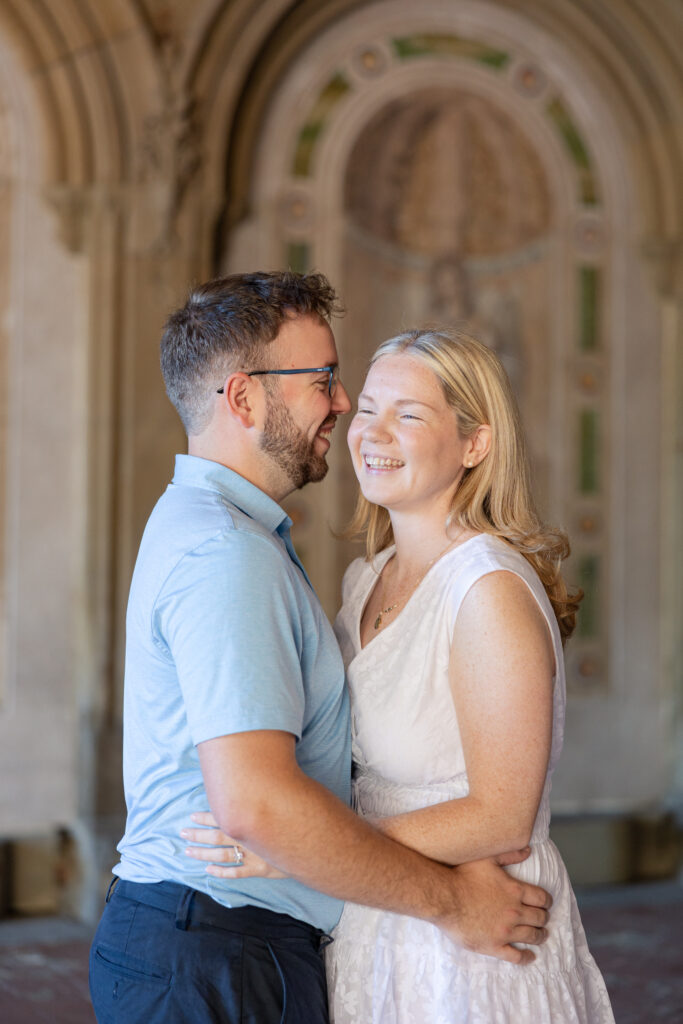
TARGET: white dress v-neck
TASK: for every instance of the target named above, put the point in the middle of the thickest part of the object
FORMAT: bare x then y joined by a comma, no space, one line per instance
386,968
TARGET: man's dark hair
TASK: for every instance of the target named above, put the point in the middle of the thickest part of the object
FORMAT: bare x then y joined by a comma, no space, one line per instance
226,325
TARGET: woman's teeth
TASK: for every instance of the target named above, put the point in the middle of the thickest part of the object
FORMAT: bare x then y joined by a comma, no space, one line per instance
378,462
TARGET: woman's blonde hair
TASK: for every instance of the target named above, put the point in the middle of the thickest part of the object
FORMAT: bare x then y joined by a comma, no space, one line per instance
494,496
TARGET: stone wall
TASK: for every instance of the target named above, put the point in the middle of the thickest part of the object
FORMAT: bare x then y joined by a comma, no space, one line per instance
513,166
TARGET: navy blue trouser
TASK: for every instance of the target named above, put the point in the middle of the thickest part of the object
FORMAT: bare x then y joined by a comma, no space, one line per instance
166,954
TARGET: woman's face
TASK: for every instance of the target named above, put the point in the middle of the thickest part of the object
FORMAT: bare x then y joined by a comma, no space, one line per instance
404,440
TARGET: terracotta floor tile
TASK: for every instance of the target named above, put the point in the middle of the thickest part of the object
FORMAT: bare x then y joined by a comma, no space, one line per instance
635,934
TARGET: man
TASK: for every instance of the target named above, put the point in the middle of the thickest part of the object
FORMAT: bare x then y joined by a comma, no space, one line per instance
235,694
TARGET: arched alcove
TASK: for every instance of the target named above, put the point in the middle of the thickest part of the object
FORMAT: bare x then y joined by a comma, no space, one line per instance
449,212
332,130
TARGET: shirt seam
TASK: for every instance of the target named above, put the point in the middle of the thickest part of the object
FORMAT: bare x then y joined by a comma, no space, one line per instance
222,533
214,488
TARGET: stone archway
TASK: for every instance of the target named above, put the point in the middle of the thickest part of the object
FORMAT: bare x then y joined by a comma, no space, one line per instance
604,201
124,116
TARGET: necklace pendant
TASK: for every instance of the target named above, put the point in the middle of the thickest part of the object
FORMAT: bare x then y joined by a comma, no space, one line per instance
378,621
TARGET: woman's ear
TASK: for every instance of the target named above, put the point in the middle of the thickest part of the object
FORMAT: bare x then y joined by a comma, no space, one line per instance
478,446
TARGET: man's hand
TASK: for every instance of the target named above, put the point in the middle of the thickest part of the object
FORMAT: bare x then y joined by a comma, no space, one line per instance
496,910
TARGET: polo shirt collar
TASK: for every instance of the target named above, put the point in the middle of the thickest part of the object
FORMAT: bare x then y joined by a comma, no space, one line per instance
193,471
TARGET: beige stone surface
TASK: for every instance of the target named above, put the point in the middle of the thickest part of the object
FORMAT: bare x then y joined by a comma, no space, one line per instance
150,144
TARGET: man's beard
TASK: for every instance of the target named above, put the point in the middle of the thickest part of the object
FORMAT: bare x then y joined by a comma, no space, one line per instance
288,447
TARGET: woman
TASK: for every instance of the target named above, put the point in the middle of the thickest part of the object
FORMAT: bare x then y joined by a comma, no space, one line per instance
452,631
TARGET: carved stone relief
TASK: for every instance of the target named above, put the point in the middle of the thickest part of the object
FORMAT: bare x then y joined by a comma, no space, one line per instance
170,155
170,150
175,18
450,166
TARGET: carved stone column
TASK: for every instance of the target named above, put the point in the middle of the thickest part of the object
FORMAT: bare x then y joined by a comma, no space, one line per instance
664,258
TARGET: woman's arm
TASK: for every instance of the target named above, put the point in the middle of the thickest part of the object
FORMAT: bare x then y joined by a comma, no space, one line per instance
501,669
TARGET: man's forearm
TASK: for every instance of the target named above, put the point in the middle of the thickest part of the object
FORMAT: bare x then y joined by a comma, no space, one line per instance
316,839
260,797
263,799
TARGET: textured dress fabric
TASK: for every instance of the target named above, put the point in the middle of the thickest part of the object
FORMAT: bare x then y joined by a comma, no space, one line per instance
386,968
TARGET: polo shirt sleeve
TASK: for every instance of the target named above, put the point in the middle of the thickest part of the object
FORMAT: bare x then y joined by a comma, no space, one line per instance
228,617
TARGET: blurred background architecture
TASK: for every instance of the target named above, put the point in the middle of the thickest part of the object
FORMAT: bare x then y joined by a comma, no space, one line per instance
513,166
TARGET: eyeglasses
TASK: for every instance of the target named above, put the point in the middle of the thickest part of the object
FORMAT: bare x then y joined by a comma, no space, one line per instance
332,370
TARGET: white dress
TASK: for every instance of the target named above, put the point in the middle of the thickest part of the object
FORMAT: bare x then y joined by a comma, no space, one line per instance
385,968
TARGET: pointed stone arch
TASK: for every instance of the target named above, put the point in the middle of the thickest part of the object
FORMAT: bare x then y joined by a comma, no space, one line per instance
598,91
627,50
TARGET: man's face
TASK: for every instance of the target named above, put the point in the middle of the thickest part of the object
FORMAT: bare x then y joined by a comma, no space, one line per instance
301,413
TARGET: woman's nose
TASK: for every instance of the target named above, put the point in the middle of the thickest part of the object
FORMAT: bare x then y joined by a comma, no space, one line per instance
376,430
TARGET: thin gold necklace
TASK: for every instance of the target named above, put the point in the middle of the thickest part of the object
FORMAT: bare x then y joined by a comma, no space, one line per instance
385,611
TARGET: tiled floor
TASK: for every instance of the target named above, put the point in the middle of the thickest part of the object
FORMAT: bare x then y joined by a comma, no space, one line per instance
636,936
44,972
635,932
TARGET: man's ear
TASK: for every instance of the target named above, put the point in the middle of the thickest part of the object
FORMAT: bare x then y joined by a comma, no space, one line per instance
241,397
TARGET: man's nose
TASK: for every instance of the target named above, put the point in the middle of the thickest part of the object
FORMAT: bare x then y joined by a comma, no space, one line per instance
341,403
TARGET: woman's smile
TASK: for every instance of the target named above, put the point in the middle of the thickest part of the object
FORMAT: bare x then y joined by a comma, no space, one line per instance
381,462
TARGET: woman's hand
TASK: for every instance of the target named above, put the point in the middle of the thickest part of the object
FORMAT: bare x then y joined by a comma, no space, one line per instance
227,858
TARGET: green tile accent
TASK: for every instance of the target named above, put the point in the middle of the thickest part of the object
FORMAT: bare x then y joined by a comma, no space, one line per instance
590,293
434,45
560,116
298,257
563,122
589,440
336,88
589,581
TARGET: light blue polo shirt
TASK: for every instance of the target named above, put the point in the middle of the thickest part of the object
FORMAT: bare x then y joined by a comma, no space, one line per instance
224,635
